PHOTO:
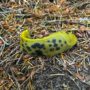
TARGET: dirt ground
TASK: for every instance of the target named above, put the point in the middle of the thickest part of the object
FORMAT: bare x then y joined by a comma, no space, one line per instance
66,71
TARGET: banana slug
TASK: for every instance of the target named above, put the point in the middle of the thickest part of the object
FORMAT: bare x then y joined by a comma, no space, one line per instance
51,45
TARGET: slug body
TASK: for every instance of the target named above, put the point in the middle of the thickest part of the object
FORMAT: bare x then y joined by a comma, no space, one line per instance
51,45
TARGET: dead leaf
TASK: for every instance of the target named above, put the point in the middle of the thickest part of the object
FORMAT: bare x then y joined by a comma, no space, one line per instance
62,1
32,73
87,48
38,13
79,76
5,25
21,78
1,82
53,8
44,32
82,28
29,20
78,64
79,34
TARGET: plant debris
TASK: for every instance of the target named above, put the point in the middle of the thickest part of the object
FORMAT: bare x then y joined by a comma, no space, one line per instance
66,71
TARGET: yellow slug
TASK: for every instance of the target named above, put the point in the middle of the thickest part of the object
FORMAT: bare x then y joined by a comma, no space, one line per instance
51,45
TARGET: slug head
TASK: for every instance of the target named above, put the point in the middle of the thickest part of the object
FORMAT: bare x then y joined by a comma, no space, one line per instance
72,39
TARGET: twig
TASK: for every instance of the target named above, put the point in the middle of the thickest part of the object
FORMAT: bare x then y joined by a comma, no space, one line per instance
81,5
16,81
57,74
19,58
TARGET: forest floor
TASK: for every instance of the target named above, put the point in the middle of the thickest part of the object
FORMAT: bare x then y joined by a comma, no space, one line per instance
67,71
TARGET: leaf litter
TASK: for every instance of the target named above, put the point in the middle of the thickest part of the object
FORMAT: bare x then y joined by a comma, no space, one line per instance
66,71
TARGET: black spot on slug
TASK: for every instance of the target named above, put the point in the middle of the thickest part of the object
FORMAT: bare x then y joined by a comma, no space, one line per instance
55,45
50,45
24,50
38,45
54,40
65,42
39,52
22,45
60,41
57,48
28,48
61,45
51,49
48,41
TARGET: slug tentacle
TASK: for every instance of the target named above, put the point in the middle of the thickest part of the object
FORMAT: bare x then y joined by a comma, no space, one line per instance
50,45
